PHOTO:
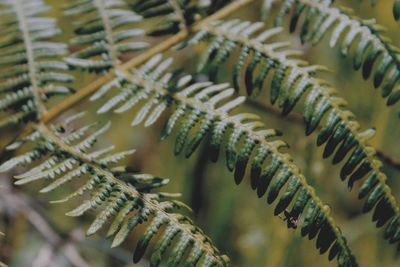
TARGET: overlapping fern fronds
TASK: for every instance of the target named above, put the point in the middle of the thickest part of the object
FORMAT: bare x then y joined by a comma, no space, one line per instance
203,109
106,31
373,52
292,79
30,69
125,199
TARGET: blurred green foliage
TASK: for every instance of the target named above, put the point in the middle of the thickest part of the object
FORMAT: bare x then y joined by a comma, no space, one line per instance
239,223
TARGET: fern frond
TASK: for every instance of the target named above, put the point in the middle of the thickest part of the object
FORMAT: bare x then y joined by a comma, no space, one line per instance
106,31
374,53
31,71
123,199
292,79
203,109
176,14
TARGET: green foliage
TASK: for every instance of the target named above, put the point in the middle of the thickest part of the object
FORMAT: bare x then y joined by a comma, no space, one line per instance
373,52
293,78
31,71
113,192
175,14
203,109
106,31
196,109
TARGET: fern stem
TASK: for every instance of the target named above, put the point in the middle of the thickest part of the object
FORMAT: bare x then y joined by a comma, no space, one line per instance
124,187
143,57
37,94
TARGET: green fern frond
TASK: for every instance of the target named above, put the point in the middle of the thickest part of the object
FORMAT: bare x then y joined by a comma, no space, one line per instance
106,31
125,199
176,14
30,69
292,79
203,109
374,52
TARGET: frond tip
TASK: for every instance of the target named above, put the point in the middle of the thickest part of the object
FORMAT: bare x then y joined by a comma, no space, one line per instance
123,199
30,69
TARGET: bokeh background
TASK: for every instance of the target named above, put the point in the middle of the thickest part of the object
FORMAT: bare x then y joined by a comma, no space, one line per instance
240,224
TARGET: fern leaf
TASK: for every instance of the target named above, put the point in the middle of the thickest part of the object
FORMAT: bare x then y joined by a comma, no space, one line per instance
206,107
126,200
31,71
176,15
294,78
375,53
106,31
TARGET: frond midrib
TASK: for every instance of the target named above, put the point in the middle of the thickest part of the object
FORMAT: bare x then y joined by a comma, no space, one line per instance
160,89
108,31
36,90
278,59
128,189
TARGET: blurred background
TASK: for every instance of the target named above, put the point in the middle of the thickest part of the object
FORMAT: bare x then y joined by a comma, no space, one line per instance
38,233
